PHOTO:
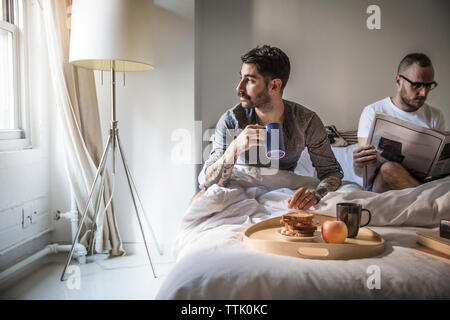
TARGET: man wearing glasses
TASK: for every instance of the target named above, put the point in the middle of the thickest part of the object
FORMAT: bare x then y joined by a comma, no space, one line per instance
414,80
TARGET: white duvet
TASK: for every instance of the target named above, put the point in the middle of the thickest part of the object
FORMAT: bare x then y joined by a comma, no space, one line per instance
213,264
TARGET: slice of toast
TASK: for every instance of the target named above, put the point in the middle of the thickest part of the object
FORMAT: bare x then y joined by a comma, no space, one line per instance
302,228
297,218
294,233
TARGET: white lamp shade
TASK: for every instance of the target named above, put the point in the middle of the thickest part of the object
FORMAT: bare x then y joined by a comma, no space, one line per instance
111,33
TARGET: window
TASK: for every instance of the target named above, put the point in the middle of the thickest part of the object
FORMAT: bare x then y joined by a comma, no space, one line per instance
13,124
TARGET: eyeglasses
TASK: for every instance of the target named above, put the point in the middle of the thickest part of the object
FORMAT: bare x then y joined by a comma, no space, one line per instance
419,85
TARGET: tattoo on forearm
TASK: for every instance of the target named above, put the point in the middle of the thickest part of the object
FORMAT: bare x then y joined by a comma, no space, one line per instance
226,175
219,172
328,184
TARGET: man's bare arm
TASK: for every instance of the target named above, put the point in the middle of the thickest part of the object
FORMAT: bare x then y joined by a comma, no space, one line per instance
220,171
304,198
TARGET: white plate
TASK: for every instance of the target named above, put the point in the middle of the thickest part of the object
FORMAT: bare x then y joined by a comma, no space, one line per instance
316,235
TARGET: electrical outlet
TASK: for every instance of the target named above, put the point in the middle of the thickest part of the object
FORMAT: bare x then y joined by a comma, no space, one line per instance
24,220
33,217
27,216
34,214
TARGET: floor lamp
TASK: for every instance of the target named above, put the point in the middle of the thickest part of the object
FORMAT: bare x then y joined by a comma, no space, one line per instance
115,36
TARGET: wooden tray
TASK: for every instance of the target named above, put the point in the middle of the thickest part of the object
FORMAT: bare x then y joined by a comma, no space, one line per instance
263,237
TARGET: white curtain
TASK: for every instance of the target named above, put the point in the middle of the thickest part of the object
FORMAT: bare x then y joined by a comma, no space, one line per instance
78,112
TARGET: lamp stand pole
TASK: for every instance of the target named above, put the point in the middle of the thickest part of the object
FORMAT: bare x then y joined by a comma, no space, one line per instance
113,142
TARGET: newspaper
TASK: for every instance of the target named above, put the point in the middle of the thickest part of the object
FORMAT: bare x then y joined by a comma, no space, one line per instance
424,152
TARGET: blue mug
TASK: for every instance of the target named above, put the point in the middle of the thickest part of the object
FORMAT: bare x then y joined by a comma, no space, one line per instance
275,141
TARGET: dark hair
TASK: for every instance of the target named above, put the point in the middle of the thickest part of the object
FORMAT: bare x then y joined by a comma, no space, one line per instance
408,60
271,63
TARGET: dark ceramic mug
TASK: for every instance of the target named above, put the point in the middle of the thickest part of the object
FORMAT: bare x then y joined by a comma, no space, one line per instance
350,214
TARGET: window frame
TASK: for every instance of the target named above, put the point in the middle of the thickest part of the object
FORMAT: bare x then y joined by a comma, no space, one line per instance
17,138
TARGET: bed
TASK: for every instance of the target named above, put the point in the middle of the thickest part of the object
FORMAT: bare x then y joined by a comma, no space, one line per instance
212,262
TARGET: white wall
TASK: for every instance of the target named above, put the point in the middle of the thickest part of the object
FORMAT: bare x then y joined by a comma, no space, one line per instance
150,107
338,65
33,179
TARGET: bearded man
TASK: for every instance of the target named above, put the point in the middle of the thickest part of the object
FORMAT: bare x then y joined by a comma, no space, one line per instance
263,77
414,80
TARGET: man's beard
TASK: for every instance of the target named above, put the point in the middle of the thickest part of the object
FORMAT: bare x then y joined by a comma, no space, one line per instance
413,104
262,101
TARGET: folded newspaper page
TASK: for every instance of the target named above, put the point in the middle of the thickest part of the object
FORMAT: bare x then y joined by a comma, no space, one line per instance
424,152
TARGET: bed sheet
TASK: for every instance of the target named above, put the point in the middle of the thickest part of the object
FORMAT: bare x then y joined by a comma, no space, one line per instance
232,271
213,264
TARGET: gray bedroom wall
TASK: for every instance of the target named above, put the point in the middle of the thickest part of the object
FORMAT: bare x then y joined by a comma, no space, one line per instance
338,64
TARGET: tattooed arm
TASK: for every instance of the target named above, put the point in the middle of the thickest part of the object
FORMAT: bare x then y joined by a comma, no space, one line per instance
323,159
304,199
220,171
328,184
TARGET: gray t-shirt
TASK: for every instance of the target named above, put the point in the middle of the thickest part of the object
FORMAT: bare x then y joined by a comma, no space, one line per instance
301,128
